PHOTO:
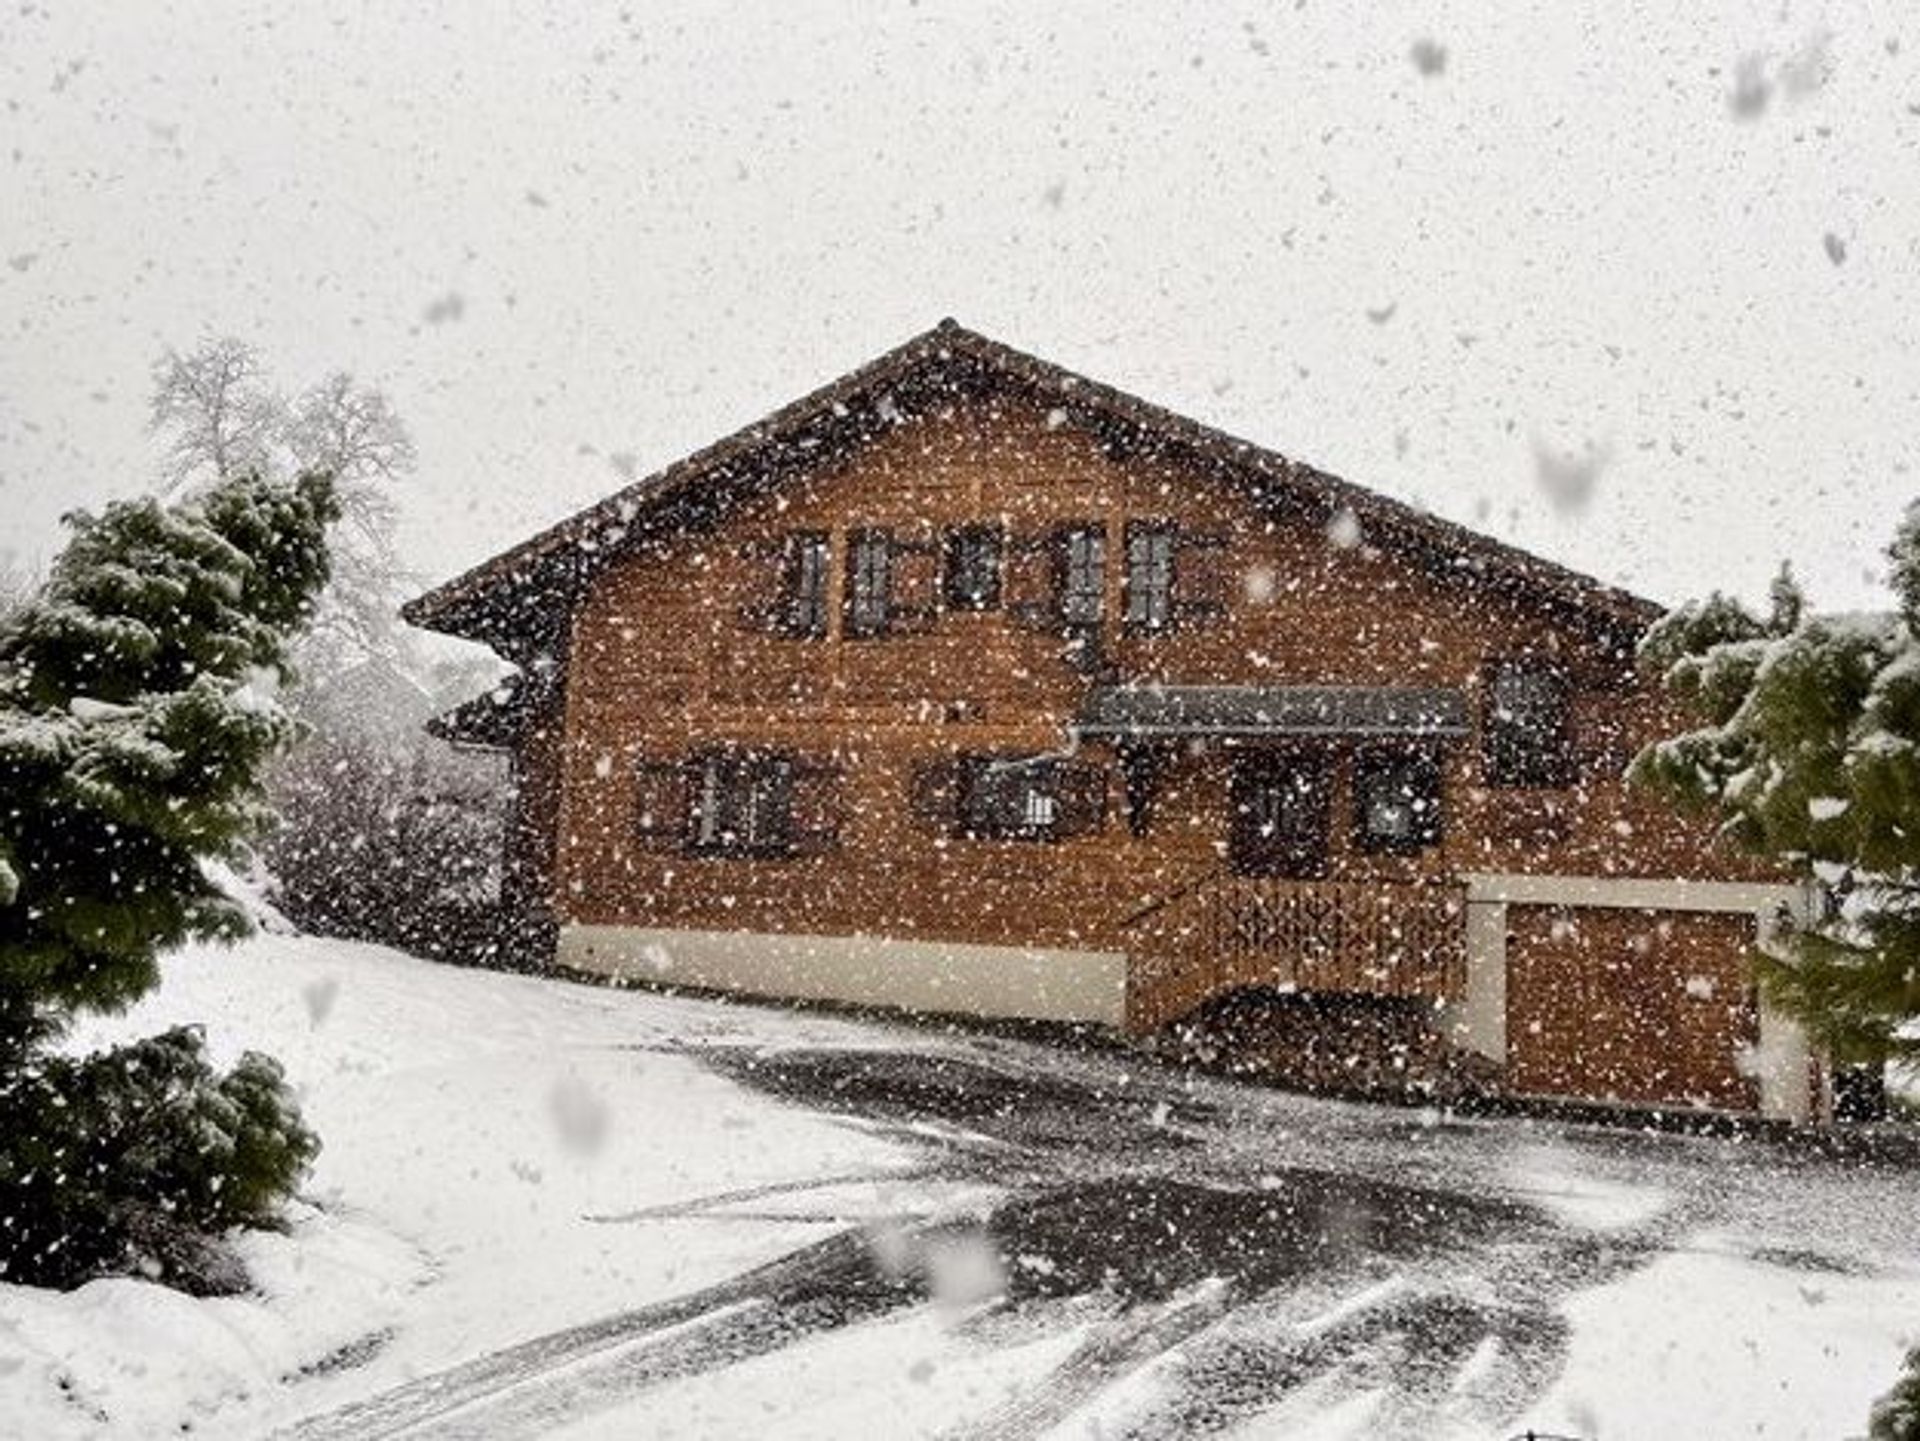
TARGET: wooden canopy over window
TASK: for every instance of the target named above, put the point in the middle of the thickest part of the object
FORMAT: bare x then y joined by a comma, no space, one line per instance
1142,712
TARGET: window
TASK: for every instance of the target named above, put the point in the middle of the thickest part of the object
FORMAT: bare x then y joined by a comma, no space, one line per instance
1527,730
804,612
1009,798
1149,577
1396,798
743,803
1083,559
869,582
973,568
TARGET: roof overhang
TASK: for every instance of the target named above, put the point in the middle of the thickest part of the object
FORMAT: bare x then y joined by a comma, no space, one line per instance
490,721
517,601
1192,711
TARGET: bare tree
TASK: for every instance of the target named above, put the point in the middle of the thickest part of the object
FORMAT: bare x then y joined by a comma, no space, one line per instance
16,584
218,412
351,432
221,414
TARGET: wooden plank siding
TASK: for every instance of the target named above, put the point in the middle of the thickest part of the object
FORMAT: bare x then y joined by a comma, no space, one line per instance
670,651
1640,1007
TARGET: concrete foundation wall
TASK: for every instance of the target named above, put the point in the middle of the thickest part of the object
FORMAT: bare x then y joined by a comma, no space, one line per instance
999,981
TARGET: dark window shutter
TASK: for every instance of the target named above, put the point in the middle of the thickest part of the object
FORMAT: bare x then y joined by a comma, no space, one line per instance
1080,798
915,602
818,806
1033,582
1200,582
660,803
934,794
764,605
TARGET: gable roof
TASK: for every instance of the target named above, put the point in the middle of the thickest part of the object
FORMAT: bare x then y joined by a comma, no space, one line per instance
517,600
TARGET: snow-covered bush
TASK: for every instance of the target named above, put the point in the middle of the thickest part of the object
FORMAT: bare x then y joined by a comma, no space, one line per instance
138,714
132,1159
390,836
1896,1415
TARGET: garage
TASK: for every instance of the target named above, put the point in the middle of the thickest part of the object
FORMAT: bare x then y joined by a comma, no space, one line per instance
1643,1007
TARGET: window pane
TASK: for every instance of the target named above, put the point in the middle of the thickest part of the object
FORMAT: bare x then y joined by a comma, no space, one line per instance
871,580
807,585
1010,798
746,804
1149,577
973,568
1083,596
1398,799
1526,729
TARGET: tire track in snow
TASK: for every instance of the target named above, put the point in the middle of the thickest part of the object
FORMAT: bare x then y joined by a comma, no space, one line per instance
702,1205
415,1404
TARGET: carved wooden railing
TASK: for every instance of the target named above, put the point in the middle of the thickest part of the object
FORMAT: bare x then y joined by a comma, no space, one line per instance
1224,932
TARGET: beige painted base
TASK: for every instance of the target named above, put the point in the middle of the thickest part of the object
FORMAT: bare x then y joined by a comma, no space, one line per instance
1001,981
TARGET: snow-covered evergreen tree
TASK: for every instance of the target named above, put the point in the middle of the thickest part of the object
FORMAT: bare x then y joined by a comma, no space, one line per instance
138,713
1808,751
1896,1415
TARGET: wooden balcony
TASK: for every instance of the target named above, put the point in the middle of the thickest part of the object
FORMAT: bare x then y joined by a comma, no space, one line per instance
1225,933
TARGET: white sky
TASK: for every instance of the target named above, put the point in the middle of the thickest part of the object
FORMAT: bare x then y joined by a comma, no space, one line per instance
660,225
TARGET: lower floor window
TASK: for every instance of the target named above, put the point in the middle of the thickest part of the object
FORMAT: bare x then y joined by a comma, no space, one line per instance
743,803
1010,798
1397,800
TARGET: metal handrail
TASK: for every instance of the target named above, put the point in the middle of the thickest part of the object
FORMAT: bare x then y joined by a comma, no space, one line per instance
1179,892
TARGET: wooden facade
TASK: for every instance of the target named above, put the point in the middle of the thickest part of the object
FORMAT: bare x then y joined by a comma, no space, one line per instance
1010,671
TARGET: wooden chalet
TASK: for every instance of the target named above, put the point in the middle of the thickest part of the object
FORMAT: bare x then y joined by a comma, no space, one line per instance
967,684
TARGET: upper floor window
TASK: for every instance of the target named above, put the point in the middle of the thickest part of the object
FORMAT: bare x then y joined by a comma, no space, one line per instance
1396,798
972,568
1083,560
743,803
869,582
1149,576
804,612
1527,731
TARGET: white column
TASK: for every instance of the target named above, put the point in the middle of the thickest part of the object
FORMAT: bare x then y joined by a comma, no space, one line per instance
1478,1020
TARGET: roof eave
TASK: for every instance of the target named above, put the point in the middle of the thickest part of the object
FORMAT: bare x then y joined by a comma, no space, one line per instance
469,605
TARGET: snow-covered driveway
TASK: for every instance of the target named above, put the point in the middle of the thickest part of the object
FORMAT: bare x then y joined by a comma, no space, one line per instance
551,1209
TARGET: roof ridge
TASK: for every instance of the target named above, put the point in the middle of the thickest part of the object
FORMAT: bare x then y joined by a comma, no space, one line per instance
948,334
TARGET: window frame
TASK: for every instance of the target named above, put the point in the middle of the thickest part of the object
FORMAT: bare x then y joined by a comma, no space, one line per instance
1541,763
869,597
806,604
1068,567
1158,618
1377,764
954,544
769,776
1027,826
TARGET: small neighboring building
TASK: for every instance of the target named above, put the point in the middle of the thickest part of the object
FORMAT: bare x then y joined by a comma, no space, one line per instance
968,684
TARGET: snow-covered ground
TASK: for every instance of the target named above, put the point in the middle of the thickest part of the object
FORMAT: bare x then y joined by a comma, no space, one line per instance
551,1209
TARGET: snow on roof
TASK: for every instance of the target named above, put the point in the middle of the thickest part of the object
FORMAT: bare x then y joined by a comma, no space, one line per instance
502,599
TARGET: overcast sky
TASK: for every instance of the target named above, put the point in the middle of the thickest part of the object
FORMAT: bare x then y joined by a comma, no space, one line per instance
1468,255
